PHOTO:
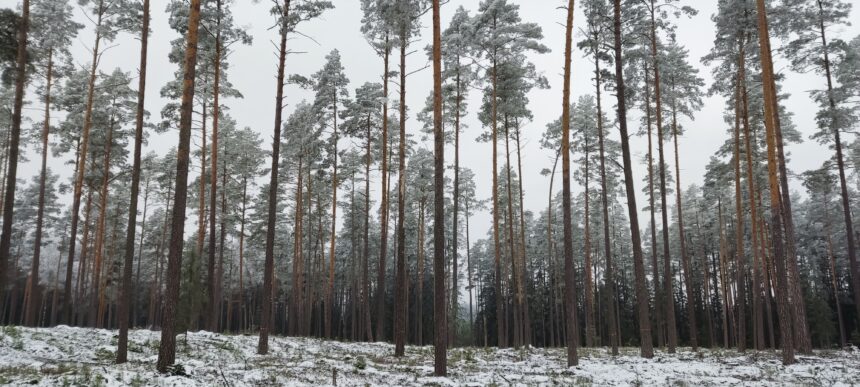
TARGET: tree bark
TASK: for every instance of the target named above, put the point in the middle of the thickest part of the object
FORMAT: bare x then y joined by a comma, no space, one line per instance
33,304
840,162
668,292
400,300
779,253
212,284
167,350
569,284
126,300
646,346
685,260
609,279
383,235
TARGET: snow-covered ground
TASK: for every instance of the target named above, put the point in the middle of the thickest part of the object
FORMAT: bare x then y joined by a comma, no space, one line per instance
65,356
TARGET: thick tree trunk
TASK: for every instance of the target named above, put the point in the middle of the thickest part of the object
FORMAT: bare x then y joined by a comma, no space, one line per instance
125,302
14,143
167,350
569,284
779,253
646,346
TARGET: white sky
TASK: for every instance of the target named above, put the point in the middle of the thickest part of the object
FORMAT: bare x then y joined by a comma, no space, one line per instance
253,73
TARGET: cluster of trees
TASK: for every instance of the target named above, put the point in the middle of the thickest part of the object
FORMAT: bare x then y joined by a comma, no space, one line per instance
291,247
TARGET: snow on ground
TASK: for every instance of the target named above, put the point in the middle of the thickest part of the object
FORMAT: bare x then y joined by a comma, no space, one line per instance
65,356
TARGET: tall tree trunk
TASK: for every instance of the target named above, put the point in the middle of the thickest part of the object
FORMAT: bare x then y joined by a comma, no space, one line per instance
569,284
609,276
840,162
779,253
97,308
685,260
590,330
82,161
455,225
33,304
365,293
499,298
740,256
658,300
167,350
512,243
668,292
527,330
15,139
212,317
125,302
754,222
383,234
400,300
330,287
646,345
269,270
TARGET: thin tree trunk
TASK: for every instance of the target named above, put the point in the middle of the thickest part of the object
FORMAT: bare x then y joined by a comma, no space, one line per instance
400,300
167,350
740,256
383,235
658,300
685,260
668,293
609,278
330,287
268,276
840,162
97,308
33,305
212,289
82,162
527,326
125,302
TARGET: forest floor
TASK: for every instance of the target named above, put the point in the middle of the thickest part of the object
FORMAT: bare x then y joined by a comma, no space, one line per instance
65,356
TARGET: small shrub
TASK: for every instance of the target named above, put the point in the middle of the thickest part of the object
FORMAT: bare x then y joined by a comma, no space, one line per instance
360,363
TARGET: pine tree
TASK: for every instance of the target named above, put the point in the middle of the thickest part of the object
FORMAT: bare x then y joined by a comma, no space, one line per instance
646,349
122,344
52,37
569,285
500,37
811,48
167,349
15,136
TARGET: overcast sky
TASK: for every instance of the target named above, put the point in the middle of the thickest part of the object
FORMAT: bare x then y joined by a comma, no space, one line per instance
252,72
